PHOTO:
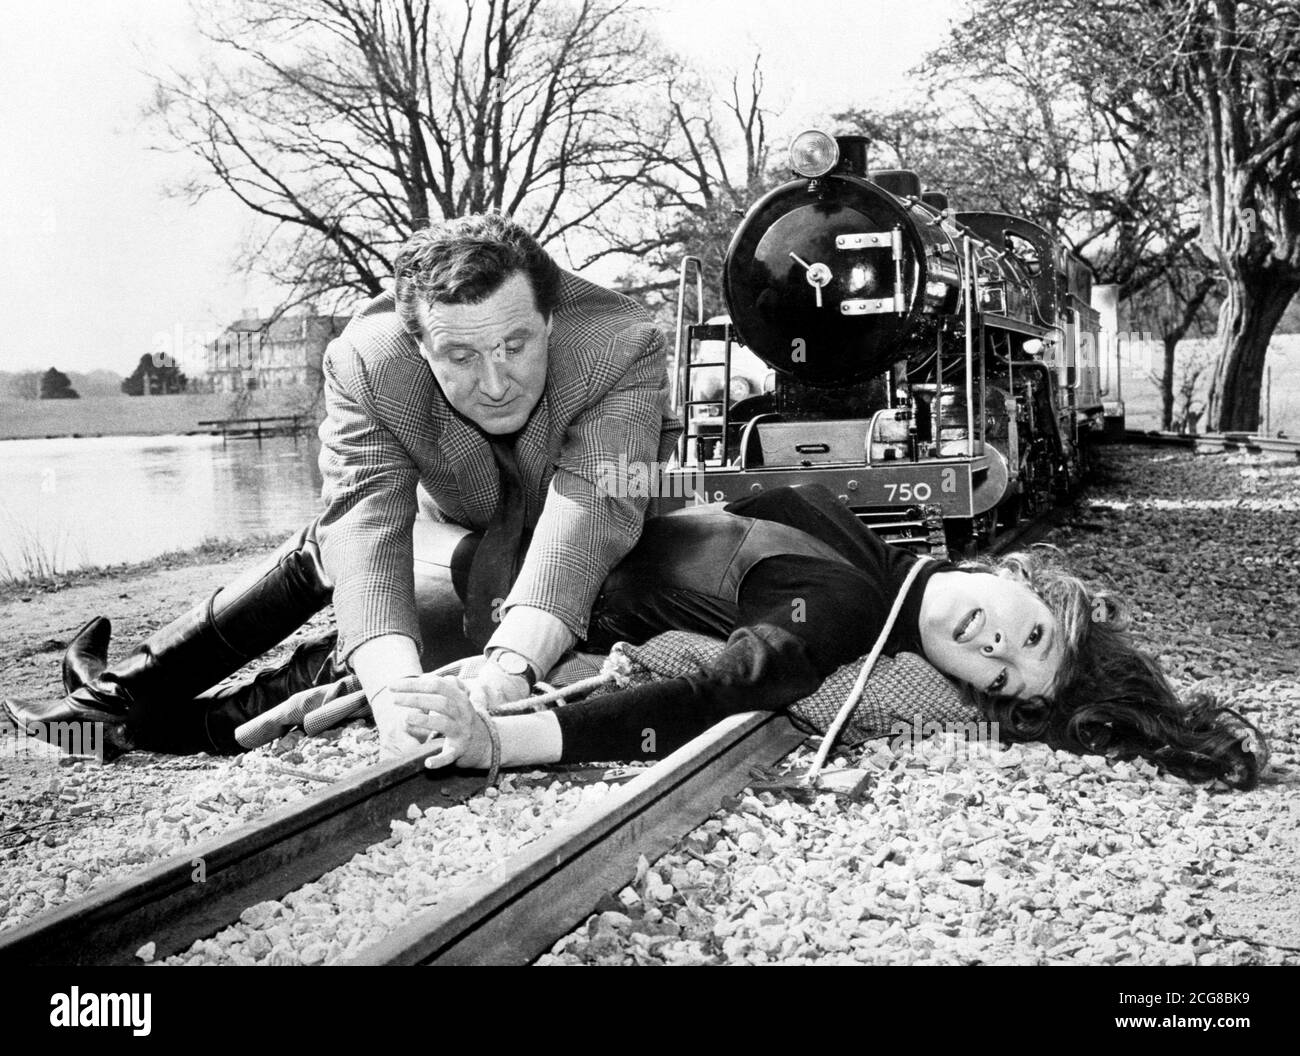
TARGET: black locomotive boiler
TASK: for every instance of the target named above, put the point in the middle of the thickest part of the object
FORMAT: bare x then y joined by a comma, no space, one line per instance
937,370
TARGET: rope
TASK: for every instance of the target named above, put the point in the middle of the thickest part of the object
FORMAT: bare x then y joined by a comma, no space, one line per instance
347,700
494,735
846,709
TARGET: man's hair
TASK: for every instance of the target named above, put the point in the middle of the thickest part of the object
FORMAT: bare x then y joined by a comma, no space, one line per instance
465,261
1110,697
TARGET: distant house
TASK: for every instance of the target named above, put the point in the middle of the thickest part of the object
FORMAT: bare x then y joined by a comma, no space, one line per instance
257,353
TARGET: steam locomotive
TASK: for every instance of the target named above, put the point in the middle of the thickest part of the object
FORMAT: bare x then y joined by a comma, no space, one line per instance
937,370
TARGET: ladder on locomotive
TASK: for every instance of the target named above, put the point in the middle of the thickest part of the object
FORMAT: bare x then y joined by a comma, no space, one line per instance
685,366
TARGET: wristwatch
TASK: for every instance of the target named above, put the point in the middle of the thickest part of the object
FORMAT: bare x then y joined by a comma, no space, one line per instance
514,664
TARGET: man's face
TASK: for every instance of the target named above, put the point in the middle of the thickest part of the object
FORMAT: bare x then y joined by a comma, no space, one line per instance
490,357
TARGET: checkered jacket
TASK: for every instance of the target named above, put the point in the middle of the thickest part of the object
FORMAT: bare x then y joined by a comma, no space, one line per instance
389,429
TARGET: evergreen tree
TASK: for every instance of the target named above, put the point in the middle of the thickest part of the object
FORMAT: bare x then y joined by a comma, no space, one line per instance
164,379
56,386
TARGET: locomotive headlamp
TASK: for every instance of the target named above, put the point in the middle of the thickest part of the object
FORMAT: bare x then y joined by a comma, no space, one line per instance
813,153
739,389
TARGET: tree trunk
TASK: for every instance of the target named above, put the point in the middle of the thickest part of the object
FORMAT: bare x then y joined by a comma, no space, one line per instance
1255,302
1167,384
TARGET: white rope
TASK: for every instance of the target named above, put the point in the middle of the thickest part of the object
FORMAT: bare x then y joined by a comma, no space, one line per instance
846,709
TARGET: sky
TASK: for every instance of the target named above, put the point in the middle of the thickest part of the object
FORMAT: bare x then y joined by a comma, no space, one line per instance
97,262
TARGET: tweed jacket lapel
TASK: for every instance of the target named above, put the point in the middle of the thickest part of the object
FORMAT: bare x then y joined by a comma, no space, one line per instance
536,449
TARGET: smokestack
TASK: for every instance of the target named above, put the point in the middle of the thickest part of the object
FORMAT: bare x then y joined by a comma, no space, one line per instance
853,154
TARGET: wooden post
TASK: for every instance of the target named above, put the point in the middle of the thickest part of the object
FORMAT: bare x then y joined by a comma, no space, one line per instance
1268,399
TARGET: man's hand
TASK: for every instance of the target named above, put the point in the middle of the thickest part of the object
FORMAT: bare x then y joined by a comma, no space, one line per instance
490,686
433,707
378,663
391,719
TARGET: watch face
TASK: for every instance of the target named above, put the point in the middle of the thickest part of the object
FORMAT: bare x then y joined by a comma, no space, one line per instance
512,664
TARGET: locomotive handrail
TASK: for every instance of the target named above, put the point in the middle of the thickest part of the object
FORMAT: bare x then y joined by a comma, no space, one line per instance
970,348
679,375
747,432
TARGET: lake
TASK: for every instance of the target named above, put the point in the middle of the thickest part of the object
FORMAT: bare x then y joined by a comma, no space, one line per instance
73,503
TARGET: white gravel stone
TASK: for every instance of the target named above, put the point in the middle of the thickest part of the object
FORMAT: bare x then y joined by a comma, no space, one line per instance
1025,855
1021,855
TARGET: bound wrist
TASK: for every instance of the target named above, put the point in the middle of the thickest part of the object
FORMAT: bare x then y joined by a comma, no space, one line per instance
484,751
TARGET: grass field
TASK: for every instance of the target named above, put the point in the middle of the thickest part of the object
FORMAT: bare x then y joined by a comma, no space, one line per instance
160,415
1142,398
138,415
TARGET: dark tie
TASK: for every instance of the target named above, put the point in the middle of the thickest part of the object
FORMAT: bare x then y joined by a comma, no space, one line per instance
498,557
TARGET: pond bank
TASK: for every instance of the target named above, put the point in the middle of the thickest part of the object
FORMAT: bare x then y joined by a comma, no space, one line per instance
214,551
145,415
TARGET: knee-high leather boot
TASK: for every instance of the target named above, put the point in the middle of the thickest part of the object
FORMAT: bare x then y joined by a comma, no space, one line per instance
149,697
208,723
87,653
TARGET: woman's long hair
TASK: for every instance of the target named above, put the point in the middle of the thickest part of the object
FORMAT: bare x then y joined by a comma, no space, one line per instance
1112,699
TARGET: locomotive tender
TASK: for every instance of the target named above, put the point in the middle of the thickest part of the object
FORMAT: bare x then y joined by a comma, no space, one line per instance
937,370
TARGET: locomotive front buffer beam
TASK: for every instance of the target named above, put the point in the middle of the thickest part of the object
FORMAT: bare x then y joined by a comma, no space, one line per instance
949,484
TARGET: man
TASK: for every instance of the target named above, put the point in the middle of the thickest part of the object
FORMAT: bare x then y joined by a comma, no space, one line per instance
495,342
487,370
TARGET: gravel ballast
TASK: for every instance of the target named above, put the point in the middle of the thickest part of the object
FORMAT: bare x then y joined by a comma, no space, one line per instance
1029,856
949,855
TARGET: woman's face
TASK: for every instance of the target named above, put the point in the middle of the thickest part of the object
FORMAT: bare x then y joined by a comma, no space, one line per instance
993,633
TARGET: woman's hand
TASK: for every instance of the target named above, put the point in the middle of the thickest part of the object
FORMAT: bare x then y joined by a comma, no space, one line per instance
438,706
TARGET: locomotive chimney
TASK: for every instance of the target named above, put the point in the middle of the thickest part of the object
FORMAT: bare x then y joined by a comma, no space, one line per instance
853,154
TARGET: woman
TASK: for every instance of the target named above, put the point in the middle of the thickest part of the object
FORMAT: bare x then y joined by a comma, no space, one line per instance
799,587
1036,650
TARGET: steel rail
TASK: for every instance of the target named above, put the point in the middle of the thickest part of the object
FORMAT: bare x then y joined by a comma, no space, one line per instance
205,887
509,916
520,908
1026,533
1214,442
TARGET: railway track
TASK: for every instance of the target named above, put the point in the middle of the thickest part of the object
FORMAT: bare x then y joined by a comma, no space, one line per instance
1207,443
508,916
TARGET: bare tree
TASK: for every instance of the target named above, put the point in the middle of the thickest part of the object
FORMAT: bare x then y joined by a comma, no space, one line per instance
346,124
1190,408
1184,302
1010,119
1240,65
25,385
1230,71
713,162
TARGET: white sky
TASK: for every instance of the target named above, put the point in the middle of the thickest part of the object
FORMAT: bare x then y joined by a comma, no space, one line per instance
95,262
